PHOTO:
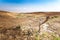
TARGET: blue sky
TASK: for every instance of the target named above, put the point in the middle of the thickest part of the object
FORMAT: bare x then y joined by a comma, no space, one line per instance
29,5
26,1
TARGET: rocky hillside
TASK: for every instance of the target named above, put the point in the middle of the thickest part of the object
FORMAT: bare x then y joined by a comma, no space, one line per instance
30,26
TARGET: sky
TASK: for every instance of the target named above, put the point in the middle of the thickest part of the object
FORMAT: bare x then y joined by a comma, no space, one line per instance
30,5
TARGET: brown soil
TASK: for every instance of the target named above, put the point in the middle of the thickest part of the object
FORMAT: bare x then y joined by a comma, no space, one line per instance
10,24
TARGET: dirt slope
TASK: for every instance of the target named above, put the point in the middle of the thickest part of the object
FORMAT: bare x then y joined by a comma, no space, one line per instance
8,19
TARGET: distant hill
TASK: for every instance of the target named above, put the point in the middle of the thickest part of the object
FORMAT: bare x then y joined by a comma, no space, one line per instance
8,19
6,13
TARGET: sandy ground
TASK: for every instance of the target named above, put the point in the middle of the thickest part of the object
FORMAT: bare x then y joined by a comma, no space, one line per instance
28,21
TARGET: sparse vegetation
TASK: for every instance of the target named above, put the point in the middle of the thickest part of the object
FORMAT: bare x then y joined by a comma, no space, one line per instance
29,27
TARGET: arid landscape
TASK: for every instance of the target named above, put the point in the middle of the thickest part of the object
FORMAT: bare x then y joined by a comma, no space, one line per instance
29,26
